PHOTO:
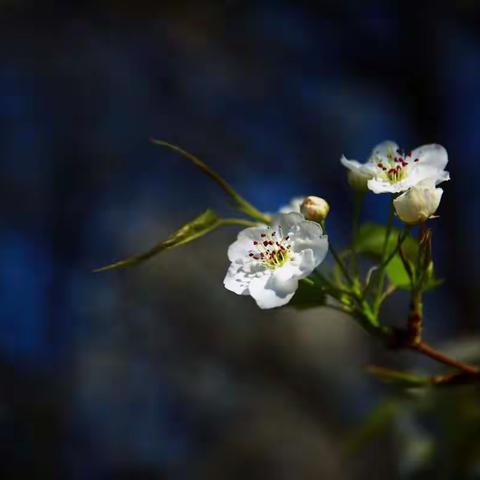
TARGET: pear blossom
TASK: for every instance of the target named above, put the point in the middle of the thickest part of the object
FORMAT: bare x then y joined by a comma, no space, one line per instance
418,203
293,206
315,208
267,262
392,169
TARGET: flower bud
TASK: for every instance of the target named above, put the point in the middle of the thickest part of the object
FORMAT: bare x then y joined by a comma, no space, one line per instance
358,181
315,209
418,203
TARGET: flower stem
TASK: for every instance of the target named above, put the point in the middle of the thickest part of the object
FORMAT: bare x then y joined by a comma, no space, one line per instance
388,230
357,208
401,238
340,264
242,204
415,318
381,280
238,221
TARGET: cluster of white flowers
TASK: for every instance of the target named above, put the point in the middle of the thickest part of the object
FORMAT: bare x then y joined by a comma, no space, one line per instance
268,261
412,174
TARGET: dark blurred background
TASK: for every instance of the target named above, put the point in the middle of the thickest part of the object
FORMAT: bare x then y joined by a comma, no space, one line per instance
159,372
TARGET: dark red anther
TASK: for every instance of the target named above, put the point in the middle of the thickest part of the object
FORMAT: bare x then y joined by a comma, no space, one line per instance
286,238
265,243
409,154
250,254
380,165
416,160
255,242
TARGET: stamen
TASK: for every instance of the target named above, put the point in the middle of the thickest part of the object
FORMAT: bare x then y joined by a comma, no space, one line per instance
273,253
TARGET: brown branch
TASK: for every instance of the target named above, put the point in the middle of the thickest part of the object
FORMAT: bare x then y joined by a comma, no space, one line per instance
425,349
457,378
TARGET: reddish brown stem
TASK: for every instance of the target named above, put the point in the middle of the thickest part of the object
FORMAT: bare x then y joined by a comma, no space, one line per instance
429,351
415,319
457,378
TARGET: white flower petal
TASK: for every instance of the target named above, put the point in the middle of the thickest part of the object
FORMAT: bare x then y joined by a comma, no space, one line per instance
432,155
284,280
267,293
312,239
306,261
379,186
238,250
236,280
420,172
350,164
363,169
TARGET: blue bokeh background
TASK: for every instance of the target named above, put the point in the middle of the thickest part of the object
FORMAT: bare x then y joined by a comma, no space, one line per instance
159,372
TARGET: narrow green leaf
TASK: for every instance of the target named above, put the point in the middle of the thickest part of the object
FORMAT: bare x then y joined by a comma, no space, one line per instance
199,226
242,204
397,377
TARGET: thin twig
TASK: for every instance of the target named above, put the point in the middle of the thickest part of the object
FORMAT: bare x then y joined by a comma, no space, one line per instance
341,265
425,349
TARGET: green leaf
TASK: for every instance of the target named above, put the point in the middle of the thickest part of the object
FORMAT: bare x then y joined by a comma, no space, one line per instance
370,241
199,226
310,294
397,274
371,237
241,204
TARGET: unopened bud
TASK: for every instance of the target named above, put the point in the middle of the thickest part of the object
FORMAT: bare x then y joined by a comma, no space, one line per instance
315,209
418,203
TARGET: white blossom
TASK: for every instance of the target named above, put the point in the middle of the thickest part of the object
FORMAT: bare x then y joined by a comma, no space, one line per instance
391,169
267,262
418,203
